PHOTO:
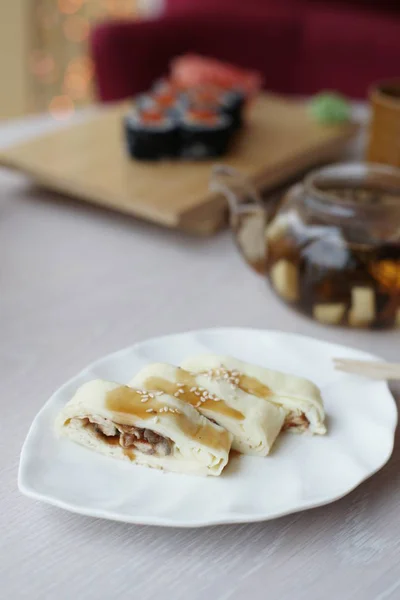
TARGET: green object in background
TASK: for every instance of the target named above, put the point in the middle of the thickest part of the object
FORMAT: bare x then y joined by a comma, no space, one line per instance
329,108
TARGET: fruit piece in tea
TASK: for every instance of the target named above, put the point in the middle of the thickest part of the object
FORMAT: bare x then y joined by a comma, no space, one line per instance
329,314
326,266
387,274
285,279
362,311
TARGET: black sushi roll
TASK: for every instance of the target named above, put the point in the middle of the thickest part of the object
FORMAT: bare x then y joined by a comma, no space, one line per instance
232,104
202,98
165,101
144,102
204,134
227,102
163,86
166,97
151,135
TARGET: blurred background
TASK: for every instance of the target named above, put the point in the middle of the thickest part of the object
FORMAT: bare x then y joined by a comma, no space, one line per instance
45,63
301,46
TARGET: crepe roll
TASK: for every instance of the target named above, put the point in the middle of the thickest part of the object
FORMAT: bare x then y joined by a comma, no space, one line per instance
300,398
151,429
254,423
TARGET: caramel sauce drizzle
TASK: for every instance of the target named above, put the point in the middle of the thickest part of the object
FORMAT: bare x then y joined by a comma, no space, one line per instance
187,389
249,385
128,401
253,386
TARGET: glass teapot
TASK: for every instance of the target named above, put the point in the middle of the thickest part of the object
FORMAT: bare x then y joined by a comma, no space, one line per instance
332,249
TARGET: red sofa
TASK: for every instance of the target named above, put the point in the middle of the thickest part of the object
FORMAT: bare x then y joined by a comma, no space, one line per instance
300,46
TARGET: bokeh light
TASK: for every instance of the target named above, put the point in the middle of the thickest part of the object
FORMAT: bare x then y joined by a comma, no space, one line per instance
82,65
78,76
119,8
96,9
69,7
76,85
61,107
47,18
43,66
76,28
60,66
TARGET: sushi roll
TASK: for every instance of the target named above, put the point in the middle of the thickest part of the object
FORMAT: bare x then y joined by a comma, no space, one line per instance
144,102
232,104
166,97
163,86
204,134
206,98
229,102
151,135
164,100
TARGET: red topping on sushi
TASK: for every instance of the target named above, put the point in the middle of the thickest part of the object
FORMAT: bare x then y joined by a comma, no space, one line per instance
193,70
202,115
151,116
165,99
206,94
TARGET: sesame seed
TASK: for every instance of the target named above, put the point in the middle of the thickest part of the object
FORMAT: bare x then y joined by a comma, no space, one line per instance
180,384
156,420
205,394
144,399
193,389
198,404
181,391
150,410
226,376
159,393
237,381
197,393
151,395
176,394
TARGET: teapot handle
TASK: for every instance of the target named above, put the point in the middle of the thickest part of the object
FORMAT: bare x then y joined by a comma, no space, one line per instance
248,215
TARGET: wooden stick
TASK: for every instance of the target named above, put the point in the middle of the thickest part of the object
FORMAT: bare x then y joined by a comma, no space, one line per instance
374,370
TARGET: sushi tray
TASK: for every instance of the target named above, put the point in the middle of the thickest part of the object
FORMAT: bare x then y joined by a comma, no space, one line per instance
110,160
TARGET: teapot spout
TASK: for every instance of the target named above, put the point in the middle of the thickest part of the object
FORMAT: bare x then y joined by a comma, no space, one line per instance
248,216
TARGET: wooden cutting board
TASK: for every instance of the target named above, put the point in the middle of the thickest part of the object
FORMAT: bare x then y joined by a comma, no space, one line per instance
88,161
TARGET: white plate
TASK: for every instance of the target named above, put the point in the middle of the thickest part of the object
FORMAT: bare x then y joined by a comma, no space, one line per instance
302,472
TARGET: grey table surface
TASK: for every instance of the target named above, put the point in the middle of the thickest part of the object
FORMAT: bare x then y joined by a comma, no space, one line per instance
79,282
